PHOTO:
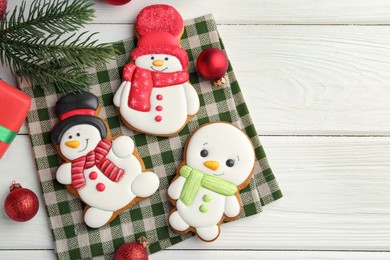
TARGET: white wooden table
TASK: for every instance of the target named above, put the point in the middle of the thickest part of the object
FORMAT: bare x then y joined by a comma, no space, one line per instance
316,77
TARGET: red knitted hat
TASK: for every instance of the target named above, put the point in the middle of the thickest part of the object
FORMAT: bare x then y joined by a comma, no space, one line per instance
159,27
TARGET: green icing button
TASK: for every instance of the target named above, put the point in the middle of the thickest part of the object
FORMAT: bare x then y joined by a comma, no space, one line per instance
207,198
203,208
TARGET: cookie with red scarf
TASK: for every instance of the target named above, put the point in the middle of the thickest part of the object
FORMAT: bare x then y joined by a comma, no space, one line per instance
105,172
155,96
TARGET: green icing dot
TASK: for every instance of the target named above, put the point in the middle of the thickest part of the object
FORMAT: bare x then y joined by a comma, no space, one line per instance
204,208
207,198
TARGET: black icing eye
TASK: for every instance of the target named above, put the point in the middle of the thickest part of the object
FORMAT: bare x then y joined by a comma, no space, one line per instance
230,163
78,134
70,137
152,58
166,58
204,153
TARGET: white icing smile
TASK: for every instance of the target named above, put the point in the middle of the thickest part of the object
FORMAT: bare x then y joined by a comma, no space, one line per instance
157,69
79,140
86,145
159,62
221,150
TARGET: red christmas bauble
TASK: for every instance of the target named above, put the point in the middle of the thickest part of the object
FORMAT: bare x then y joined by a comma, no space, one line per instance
21,204
133,250
117,2
212,63
3,8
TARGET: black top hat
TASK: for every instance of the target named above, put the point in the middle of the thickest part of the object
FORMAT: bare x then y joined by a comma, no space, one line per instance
75,109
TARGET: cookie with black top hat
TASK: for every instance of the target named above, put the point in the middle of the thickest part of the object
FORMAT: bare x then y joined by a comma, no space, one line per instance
105,173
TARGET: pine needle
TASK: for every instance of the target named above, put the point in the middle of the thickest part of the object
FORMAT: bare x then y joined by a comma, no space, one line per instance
34,45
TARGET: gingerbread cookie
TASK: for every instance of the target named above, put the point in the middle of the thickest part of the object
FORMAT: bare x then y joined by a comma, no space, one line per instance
106,173
218,161
155,96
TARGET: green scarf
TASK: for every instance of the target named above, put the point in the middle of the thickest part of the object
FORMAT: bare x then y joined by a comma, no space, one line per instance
197,179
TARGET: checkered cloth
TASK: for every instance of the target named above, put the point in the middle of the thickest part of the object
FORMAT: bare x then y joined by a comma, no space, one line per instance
72,238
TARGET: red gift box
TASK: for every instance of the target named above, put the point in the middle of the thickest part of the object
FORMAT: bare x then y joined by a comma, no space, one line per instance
14,106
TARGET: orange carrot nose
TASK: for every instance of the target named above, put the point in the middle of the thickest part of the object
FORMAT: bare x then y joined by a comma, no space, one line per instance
213,165
73,144
158,63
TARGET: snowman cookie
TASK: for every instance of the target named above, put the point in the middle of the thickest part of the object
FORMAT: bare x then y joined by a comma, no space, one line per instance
218,161
155,96
106,173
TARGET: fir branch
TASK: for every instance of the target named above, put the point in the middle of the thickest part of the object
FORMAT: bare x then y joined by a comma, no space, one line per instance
35,46
45,16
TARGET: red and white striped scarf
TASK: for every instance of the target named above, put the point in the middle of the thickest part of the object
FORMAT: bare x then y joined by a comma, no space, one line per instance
95,157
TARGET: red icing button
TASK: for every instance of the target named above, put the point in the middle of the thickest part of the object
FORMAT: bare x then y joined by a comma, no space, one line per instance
93,175
158,118
159,108
159,97
100,187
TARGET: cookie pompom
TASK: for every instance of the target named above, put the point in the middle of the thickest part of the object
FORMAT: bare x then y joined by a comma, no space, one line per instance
159,18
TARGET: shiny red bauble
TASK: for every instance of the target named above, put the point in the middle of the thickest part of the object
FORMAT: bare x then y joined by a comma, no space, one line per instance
133,250
212,63
21,204
117,2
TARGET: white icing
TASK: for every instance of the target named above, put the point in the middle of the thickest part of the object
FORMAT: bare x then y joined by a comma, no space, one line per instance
192,215
178,101
208,233
115,195
174,113
63,174
192,99
123,146
171,65
145,184
87,135
232,206
175,187
177,222
223,142
96,218
118,94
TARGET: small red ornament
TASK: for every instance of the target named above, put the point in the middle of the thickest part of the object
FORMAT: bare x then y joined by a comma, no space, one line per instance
117,2
212,64
21,204
3,8
133,250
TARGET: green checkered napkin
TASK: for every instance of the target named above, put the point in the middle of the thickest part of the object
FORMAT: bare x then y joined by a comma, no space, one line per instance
72,238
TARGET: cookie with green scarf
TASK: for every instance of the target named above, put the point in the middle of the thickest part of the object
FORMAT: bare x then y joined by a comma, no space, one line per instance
218,162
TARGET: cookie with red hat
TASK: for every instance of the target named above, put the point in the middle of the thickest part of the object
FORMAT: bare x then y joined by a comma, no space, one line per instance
106,173
155,96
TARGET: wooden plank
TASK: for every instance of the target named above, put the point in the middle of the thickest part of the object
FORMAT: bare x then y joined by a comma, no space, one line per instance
17,164
335,188
220,255
256,11
335,198
313,80
307,80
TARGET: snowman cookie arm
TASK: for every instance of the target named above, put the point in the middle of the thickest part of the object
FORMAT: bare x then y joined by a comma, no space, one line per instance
232,206
118,94
127,75
145,184
122,146
64,173
174,190
192,99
